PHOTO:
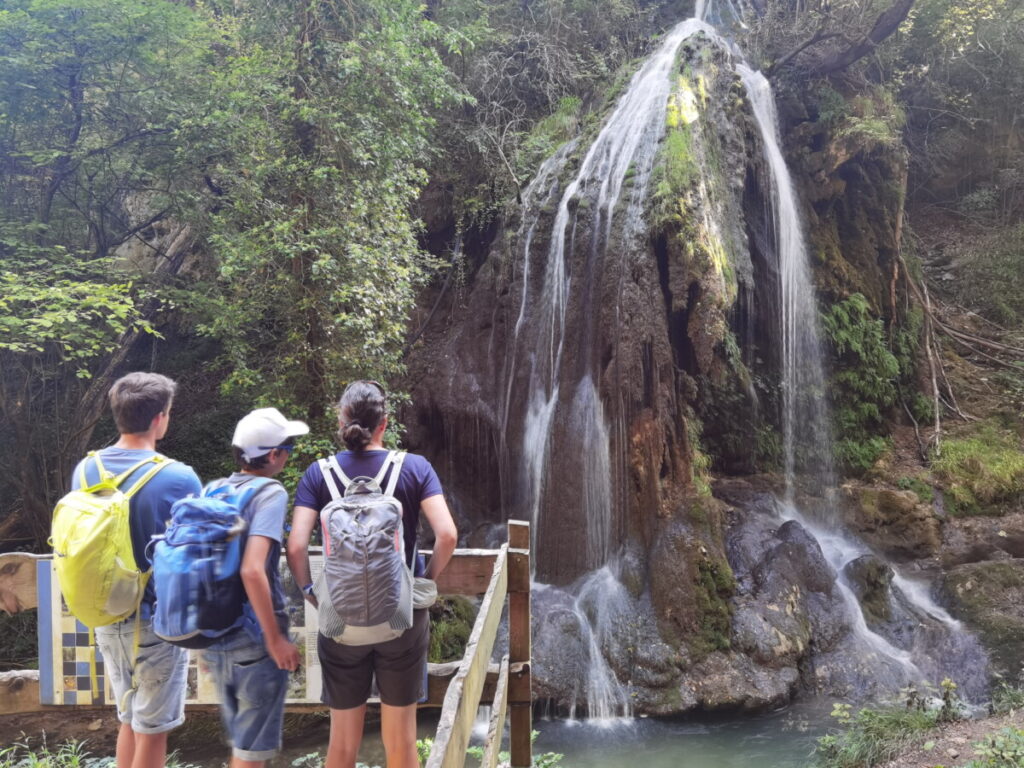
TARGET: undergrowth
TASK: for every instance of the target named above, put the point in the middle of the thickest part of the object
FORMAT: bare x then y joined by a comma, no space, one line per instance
68,754
863,385
876,735
1000,750
981,472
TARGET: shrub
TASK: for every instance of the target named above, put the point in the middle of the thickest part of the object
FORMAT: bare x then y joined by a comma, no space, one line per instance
451,622
873,736
1001,750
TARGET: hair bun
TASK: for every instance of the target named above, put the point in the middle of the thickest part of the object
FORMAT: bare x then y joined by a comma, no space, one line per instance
355,436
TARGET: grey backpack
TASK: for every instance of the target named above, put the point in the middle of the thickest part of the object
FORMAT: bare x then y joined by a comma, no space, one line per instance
365,591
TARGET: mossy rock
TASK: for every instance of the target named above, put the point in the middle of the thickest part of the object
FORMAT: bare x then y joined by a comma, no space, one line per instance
989,597
451,622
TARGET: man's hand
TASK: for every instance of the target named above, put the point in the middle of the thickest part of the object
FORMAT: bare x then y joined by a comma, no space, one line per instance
284,653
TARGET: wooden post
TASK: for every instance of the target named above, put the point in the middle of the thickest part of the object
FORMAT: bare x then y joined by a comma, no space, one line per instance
520,697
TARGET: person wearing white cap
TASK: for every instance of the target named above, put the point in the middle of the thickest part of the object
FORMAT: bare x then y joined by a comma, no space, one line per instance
251,665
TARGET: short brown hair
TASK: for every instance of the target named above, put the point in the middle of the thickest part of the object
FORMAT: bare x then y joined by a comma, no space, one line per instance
137,398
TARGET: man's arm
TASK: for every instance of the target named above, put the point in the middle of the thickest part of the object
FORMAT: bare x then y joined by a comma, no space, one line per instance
303,520
257,587
445,534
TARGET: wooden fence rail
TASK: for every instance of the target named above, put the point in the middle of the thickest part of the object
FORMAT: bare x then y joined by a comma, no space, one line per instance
510,575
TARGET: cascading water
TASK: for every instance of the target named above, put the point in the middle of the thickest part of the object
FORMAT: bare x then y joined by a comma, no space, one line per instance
599,213
806,418
805,415
626,145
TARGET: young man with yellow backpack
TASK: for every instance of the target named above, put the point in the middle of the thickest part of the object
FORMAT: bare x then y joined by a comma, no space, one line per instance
121,497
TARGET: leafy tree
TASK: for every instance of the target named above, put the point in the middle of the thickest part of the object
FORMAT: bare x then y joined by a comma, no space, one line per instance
90,164
323,116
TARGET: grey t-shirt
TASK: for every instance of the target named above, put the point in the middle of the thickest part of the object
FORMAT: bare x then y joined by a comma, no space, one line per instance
265,515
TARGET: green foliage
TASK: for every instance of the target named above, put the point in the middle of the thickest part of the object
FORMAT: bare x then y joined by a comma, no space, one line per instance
543,760
1007,698
324,122
69,754
1001,750
982,472
715,585
873,736
451,622
956,65
994,282
95,159
530,68
870,119
863,384
920,486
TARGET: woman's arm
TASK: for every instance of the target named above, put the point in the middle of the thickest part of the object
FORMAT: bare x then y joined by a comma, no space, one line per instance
445,534
303,520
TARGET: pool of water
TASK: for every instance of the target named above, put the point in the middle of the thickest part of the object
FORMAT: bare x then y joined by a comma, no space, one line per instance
783,739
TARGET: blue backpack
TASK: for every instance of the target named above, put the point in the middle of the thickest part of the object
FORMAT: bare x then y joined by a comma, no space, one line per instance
197,566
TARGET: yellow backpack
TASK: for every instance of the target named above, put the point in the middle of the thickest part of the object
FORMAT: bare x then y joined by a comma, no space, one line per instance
92,546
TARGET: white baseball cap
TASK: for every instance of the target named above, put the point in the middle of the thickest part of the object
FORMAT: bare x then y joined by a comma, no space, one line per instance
258,433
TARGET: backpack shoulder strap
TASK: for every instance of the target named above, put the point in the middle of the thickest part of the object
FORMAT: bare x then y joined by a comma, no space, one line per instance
328,468
379,478
397,458
101,471
159,462
251,488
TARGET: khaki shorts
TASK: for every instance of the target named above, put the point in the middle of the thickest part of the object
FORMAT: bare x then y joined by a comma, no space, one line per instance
399,665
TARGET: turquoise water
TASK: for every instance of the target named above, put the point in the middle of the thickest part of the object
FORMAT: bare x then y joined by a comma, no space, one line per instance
784,739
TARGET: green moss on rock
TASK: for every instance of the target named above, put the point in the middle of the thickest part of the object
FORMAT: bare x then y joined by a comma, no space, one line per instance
451,622
989,596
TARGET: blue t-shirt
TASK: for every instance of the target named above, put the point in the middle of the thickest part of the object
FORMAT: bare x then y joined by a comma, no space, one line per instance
150,508
417,482
265,515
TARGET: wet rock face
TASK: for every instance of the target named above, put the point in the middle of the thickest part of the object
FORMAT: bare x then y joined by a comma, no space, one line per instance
786,607
990,596
870,578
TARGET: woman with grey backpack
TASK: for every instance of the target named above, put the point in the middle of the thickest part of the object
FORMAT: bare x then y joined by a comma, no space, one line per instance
372,605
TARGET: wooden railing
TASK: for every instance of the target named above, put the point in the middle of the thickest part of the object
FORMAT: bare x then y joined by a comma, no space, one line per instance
509,576
459,688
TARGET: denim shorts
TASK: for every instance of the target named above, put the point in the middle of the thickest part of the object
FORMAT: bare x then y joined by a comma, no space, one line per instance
252,690
157,703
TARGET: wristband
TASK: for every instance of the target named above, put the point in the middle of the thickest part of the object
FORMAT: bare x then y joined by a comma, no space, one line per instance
308,589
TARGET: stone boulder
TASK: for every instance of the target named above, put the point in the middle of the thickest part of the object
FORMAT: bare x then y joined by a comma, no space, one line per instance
892,522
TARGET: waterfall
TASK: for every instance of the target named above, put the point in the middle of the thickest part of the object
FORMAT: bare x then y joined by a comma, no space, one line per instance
805,413
627,144
555,358
806,423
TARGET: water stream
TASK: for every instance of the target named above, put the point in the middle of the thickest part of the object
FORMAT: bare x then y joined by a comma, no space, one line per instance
563,364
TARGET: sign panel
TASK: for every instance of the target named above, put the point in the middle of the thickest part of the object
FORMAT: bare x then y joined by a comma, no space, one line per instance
65,653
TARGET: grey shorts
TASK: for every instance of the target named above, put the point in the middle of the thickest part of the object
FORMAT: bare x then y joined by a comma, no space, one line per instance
157,704
400,667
